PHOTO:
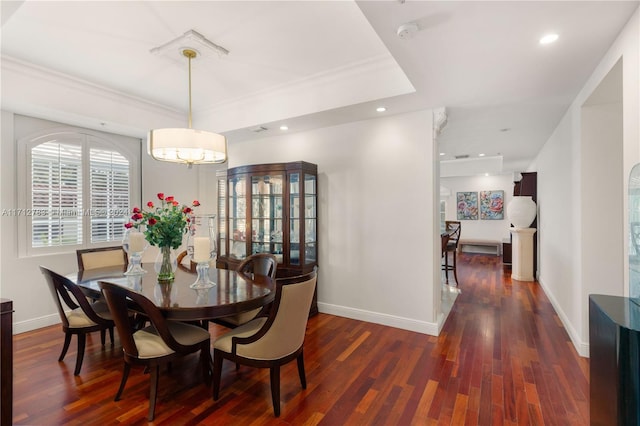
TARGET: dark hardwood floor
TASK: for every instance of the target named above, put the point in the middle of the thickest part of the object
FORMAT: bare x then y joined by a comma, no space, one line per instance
503,357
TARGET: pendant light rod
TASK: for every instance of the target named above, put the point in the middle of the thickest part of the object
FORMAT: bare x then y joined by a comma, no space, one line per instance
190,54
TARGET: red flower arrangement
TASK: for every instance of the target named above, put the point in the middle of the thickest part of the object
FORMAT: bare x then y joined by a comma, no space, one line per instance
165,224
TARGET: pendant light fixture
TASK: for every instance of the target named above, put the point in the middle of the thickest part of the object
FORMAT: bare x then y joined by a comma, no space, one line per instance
188,146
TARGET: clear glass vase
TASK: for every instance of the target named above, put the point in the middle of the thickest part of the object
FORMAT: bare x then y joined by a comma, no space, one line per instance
166,264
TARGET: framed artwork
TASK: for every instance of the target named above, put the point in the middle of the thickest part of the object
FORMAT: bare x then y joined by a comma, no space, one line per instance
492,205
467,205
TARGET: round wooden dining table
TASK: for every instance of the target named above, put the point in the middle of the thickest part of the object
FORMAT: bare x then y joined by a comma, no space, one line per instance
232,293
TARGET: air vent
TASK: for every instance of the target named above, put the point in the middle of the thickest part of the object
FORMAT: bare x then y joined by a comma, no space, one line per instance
460,157
259,129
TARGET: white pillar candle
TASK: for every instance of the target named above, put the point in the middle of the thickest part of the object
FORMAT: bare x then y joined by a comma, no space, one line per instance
136,242
201,249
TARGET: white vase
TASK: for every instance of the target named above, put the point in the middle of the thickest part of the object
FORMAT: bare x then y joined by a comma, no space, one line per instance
521,211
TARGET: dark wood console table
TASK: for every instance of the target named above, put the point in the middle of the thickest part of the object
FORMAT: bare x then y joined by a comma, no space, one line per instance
614,365
6,361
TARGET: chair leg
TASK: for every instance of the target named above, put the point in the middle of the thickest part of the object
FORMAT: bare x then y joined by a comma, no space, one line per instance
103,338
67,341
455,269
303,378
153,391
217,374
111,335
275,389
205,359
446,266
81,344
125,376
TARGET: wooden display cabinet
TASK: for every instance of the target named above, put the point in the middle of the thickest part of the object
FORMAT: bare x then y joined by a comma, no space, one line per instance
269,208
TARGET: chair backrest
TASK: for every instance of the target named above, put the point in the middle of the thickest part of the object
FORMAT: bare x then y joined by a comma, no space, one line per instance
283,332
118,299
264,264
456,227
101,257
67,295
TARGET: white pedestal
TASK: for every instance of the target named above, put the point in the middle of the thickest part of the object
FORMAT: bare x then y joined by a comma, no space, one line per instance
522,254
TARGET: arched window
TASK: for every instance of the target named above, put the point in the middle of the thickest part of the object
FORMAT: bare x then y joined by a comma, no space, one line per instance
78,189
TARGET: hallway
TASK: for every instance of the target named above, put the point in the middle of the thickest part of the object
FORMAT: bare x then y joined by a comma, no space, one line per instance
511,357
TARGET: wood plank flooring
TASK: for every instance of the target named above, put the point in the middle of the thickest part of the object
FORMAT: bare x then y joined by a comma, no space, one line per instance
503,358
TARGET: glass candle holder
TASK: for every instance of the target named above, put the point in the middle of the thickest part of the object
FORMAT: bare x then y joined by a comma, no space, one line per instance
134,244
201,247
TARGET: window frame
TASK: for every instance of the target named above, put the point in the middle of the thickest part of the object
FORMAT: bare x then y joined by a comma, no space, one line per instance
87,140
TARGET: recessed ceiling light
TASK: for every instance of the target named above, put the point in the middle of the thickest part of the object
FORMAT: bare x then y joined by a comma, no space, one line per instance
549,38
381,109
486,174
442,153
480,155
283,127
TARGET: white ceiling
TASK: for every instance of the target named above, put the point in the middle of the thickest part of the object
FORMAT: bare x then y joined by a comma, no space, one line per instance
318,63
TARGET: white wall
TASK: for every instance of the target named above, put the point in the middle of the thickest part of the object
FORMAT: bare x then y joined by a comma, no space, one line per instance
479,229
377,224
573,171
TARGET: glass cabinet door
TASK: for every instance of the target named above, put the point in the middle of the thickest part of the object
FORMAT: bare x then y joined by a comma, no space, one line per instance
267,214
310,219
294,219
237,216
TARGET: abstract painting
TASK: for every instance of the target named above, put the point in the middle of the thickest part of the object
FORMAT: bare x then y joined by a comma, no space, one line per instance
467,205
492,205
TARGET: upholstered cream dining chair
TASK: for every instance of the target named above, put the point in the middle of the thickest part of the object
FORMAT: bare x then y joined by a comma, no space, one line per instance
156,345
101,257
77,315
270,342
264,264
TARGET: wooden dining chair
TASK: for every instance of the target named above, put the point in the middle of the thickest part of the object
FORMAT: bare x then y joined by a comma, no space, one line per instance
272,341
263,264
101,257
156,345
77,314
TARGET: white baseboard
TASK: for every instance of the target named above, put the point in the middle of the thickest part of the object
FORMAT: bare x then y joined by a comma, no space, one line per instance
33,324
581,347
423,327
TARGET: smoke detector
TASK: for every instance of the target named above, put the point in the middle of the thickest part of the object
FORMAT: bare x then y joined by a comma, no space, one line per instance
407,30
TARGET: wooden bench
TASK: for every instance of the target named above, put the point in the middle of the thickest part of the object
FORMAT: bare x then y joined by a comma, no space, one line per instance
485,243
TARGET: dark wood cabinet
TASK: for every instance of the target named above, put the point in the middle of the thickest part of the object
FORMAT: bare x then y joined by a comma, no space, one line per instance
269,208
614,354
6,361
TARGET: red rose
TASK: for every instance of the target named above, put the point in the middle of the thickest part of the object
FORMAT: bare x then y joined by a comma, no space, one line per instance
128,225
137,216
136,210
196,203
160,195
150,204
175,203
152,221
186,210
169,199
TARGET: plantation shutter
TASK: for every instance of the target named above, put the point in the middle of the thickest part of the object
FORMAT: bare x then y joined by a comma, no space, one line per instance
56,191
109,189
